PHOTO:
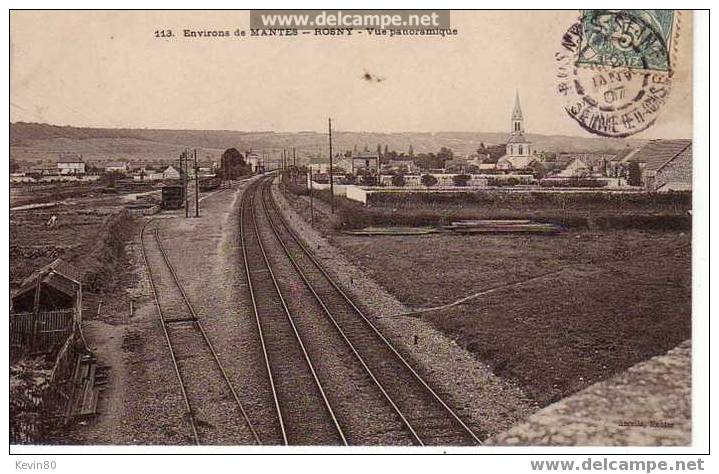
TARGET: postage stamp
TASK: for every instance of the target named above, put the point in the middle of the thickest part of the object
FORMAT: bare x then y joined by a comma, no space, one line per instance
629,38
614,69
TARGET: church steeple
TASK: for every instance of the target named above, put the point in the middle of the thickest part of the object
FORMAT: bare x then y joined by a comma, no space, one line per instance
517,112
517,118
517,143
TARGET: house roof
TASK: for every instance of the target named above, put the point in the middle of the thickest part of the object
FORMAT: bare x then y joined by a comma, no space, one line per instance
517,162
116,164
658,153
70,159
367,154
625,153
401,163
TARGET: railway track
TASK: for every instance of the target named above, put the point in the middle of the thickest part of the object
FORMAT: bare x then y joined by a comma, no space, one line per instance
212,408
304,413
425,416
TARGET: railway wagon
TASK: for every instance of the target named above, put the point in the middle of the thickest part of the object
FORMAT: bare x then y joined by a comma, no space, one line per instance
173,197
208,183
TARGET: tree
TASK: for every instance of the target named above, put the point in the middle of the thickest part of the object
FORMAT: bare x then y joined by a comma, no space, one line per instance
445,154
398,180
461,179
369,180
428,180
232,164
411,151
537,170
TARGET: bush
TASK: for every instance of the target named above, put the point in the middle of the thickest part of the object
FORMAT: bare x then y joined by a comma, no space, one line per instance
461,179
428,180
572,183
512,181
398,180
369,180
349,179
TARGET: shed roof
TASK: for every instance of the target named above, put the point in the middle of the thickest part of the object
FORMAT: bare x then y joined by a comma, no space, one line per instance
58,274
658,153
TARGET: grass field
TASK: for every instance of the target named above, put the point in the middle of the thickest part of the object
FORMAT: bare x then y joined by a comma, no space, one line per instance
595,303
79,225
560,312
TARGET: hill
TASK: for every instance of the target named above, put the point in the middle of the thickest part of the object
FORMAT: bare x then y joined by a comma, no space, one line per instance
33,142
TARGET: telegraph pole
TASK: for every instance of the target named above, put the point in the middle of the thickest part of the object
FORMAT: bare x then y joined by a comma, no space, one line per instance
332,181
283,175
294,165
197,189
184,183
312,206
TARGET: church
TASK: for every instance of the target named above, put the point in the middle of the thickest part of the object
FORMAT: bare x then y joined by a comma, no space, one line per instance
519,154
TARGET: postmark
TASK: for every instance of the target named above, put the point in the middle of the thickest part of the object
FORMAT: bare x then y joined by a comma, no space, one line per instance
614,69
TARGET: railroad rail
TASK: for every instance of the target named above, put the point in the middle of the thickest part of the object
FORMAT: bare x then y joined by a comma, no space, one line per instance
424,413
209,397
304,413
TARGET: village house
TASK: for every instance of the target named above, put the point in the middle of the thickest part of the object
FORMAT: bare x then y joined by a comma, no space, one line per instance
664,165
584,165
400,165
255,161
479,159
70,165
116,167
44,170
137,166
171,173
616,166
365,162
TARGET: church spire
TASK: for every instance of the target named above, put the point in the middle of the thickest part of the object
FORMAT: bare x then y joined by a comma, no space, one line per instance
517,118
517,112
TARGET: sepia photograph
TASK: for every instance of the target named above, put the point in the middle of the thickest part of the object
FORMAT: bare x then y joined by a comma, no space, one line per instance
343,231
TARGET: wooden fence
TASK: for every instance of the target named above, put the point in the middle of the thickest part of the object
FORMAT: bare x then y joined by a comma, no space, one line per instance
49,405
41,332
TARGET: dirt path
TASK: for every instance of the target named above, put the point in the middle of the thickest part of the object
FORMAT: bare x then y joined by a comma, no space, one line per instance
141,403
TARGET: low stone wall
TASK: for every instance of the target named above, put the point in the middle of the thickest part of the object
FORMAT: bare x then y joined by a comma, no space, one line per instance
647,405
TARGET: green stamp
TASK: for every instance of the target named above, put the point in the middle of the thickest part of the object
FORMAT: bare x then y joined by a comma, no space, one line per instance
635,39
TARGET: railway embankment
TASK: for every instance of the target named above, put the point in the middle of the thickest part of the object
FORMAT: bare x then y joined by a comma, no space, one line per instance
48,387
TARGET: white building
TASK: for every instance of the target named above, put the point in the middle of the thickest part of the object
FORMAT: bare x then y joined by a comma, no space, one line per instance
519,149
70,165
255,162
365,162
170,173
116,167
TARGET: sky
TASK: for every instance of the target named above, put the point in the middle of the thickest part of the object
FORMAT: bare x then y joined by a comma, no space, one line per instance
107,69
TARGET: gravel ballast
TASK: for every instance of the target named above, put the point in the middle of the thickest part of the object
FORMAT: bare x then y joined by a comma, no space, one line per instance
489,403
